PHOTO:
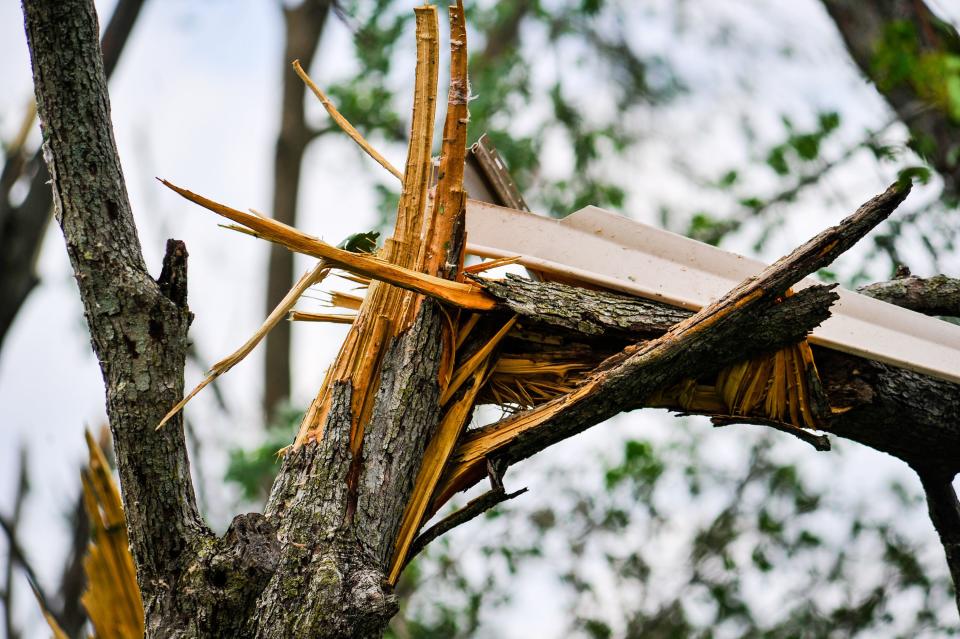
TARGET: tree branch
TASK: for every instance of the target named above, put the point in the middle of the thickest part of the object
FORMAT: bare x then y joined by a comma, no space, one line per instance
303,26
938,295
945,515
596,313
18,556
474,508
15,554
138,326
877,399
819,442
748,320
863,26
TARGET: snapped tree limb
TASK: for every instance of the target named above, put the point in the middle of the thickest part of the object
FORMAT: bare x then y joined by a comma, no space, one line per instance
705,341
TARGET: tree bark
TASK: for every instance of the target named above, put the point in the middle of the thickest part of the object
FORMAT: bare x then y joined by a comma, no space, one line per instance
303,26
191,583
881,399
938,295
862,25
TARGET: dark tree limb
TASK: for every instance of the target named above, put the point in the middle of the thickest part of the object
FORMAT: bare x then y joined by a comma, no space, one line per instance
945,515
879,399
22,227
303,26
742,323
862,25
938,295
584,311
15,554
70,612
819,442
138,325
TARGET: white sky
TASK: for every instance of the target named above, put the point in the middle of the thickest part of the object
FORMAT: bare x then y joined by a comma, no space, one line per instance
195,100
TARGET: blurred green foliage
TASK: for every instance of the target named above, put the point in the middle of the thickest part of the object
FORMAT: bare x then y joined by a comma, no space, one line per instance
934,75
254,469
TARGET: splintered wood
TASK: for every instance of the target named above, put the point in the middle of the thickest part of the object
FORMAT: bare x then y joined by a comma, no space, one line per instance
487,356
387,310
112,596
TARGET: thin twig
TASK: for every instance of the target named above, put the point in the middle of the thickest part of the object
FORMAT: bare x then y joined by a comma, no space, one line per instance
473,509
310,278
23,487
18,556
819,442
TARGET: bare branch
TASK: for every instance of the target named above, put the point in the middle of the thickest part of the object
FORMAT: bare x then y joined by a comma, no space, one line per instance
15,554
303,27
819,442
22,227
938,295
473,509
945,515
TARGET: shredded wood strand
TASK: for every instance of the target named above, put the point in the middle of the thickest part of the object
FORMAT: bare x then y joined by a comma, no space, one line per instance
310,278
331,318
344,124
456,293
112,597
434,459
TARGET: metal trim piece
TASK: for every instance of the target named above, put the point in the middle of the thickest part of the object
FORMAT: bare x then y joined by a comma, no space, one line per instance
610,250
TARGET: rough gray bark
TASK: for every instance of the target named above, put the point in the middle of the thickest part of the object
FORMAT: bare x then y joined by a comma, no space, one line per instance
22,226
862,24
331,579
584,311
303,25
138,327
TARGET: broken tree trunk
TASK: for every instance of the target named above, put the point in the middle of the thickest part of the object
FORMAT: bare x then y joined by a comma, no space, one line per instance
385,442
